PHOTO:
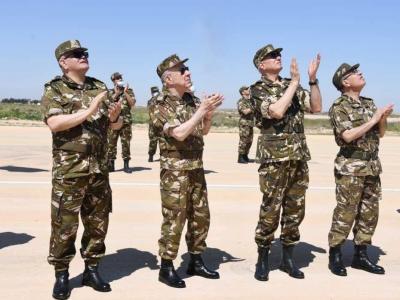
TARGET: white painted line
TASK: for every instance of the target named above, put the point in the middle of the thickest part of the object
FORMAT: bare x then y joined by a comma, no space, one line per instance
212,186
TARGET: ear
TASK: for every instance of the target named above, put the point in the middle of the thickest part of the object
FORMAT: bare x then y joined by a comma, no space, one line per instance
345,83
63,63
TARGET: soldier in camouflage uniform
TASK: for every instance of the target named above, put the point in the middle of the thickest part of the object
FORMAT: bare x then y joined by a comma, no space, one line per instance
357,125
123,93
245,107
182,120
78,111
280,104
153,134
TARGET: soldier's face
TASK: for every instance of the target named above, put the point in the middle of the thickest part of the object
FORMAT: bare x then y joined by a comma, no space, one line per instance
180,77
272,63
354,80
75,61
246,94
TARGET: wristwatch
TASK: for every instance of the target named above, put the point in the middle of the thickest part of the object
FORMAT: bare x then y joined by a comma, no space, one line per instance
315,82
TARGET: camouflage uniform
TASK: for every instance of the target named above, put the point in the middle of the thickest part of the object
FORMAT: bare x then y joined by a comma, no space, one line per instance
80,175
154,135
246,123
183,186
125,132
357,169
283,154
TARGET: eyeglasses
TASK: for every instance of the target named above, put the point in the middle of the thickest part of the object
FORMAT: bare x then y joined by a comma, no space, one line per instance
355,71
273,55
77,54
183,69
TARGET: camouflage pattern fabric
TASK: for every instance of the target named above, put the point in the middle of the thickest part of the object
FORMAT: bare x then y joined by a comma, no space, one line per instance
345,114
125,132
81,150
169,112
183,196
357,169
357,203
246,123
283,139
80,174
153,133
91,196
245,138
126,136
283,184
183,185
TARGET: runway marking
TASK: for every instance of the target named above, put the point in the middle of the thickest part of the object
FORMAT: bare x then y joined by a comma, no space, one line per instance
212,186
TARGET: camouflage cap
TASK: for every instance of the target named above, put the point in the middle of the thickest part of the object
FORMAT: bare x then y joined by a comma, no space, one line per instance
242,89
116,75
154,89
342,71
68,46
168,63
263,52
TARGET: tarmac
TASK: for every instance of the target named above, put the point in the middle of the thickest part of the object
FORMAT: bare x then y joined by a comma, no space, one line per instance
131,262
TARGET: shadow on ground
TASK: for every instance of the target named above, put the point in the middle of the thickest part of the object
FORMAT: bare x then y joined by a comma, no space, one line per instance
212,258
303,254
22,169
374,253
135,169
209,171
121,264
11,239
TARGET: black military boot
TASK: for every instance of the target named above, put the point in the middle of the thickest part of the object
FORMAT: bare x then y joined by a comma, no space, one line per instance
61,286
241,159
91,277
111,165
168,274
262,266
335,261
361,261
126,166
288,265
196,267
150,158
246,158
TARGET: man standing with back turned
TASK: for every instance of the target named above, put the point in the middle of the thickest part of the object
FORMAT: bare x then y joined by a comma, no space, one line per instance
245,107
182,120
78,111
280,107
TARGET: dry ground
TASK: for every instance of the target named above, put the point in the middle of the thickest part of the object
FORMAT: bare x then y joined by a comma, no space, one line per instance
131,262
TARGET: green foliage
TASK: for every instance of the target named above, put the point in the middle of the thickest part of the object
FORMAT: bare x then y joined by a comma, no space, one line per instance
20,111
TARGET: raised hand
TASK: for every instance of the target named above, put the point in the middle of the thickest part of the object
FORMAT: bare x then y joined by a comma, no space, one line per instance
210,103
294,71
95,104
114,110
313,67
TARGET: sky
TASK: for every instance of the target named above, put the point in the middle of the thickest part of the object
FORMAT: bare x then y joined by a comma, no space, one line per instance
220,39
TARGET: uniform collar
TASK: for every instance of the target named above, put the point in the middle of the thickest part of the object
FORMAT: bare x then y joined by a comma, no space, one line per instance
270,82
87,85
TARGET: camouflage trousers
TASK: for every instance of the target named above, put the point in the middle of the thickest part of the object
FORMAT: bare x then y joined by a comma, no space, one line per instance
91,196
357,203
245,138
126,135
153,139
283,184
183,197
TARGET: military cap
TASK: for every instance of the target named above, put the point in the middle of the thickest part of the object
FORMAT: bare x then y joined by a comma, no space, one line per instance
116,75
341,72
154,89
263,52
68,46
243,88
168,63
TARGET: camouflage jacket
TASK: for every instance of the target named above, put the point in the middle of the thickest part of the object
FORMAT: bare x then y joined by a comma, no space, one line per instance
283,139
81,150
126,113
242,105
169,112
359,157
